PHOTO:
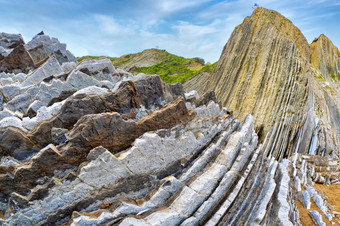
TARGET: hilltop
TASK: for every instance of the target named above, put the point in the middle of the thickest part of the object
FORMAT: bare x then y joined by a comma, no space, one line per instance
169,67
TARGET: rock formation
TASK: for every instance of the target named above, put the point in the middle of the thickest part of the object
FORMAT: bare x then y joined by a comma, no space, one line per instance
16,57
325,57
88,144
267,69
42,46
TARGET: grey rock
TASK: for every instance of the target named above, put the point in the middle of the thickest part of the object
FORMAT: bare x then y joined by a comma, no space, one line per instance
10,41
51,47
34,107
59,135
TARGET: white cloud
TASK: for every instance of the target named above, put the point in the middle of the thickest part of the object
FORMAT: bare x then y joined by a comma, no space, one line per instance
109,26
171,6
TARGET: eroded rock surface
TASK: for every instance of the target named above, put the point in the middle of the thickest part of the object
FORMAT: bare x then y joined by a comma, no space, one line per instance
88,144
268,69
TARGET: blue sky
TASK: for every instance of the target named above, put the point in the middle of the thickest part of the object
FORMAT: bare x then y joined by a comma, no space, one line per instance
189,28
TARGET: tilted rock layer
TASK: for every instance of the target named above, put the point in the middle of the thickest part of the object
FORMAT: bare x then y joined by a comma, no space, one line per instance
268,69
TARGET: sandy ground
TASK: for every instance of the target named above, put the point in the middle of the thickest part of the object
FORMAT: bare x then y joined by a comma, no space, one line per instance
333,194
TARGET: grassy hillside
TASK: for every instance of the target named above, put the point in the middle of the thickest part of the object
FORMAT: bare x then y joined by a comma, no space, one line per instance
169,67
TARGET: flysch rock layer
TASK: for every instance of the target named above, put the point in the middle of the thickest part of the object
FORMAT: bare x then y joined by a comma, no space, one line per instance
17,57
89,144
267,69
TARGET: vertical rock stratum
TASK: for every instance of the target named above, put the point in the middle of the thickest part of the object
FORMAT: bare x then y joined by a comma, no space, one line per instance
268,69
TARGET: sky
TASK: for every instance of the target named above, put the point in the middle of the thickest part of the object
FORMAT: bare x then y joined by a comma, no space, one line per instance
189,28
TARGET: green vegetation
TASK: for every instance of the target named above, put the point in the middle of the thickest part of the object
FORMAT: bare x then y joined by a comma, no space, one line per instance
319,112
330,90
80,59
320,77
334,77
175,69
172,68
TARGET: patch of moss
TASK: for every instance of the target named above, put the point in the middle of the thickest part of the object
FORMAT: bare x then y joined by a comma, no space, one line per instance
330,89
320,77
80,59
334,77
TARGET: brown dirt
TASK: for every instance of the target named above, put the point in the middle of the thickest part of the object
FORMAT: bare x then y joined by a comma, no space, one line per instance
303,212
333,194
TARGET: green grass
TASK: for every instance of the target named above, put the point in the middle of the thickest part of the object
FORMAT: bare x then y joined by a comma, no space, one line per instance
80,59
174,69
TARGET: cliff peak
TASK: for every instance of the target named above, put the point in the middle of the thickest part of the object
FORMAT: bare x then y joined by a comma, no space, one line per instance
268,69
325,56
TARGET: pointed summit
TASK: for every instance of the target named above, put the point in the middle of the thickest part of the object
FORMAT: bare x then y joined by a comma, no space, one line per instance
325,56
265,70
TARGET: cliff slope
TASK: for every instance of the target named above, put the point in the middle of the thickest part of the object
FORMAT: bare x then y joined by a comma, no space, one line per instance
268,69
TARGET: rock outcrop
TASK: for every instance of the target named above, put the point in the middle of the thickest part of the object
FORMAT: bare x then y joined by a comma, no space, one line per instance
267,69
17,57
42,46
90,144
325,57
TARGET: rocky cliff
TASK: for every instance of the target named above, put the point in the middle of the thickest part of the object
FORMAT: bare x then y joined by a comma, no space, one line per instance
89,144
325,57
268,69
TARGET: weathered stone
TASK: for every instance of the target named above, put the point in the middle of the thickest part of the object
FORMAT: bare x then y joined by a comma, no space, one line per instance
59,135
129,96
11,121
134,150
114,133
13,140
34,107
38,54
10,41
43,45
50,68
19,60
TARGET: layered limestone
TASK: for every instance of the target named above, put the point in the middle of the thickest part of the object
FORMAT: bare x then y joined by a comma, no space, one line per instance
42,46
325,57
89,144
17,57
268,69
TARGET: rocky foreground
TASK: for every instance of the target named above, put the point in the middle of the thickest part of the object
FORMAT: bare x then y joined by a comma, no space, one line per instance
89,144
